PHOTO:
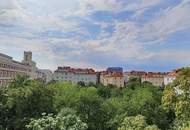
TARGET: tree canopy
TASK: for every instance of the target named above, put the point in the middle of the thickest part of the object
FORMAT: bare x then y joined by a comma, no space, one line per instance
35,105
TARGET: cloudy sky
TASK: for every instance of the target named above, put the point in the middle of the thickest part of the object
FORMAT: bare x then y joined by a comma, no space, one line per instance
151,35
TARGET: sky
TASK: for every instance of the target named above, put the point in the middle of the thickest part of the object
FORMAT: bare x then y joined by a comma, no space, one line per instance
151,35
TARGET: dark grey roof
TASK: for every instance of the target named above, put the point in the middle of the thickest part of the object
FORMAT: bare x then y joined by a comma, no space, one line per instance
5,56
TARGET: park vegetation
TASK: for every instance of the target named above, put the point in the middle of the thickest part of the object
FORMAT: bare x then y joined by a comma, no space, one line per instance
27,104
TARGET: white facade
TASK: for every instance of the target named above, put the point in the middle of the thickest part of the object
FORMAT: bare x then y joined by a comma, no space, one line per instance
168,79
126,77
47,75
75,75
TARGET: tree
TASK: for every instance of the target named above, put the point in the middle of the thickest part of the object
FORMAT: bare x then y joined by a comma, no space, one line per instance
134,82
65,120
81,83
104,92
65,95
136,123
89,107
176,97
25,99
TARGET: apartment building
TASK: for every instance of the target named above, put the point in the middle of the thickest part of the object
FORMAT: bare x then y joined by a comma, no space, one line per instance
112,78
75,75
156,79
133,74
46,74
170,77
9,68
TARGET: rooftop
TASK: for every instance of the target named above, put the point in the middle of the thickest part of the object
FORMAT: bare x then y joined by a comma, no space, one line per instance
76,70
5,56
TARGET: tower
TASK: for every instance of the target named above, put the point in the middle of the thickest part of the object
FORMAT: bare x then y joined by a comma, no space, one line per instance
27,56
28,59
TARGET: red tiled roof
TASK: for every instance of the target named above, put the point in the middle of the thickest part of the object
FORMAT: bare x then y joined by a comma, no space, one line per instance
173,74
154,75
112,74
75,70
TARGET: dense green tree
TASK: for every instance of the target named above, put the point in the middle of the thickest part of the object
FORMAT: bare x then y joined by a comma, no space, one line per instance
134,82
176,98
136,123
100,107
25,98
89,108
66,119
104,92
81,83
65,95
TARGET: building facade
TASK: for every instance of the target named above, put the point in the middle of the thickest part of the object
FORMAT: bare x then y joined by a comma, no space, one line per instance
115,69
157,79
135,74
10,68
112,78
27,60
46,74
75,75
169,78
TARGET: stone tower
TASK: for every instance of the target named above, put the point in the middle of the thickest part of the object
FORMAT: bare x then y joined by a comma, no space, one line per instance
27,56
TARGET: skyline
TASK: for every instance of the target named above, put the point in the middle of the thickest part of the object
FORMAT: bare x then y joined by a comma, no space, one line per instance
150,35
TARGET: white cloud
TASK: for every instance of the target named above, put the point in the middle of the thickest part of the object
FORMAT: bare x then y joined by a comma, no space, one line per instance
167,22
129,39
141,4
174,55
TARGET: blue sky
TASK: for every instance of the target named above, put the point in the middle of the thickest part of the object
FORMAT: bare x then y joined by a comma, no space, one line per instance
152,35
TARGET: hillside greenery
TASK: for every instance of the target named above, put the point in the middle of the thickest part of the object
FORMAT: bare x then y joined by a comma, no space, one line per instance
33,105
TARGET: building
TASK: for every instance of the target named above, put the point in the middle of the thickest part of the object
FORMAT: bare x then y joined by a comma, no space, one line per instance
27,60
126,78
47,75
75,75
115,69
9,68
135,74
170,77
156,79
112,78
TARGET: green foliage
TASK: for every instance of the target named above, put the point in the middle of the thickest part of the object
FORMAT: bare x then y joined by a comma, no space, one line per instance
96,106
22,100
181,125
90,109
176,96
65,120
152,127
104,92
136,123
134,82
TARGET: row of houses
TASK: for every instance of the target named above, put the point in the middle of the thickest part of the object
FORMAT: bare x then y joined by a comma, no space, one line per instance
9,68
156,78
112,76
